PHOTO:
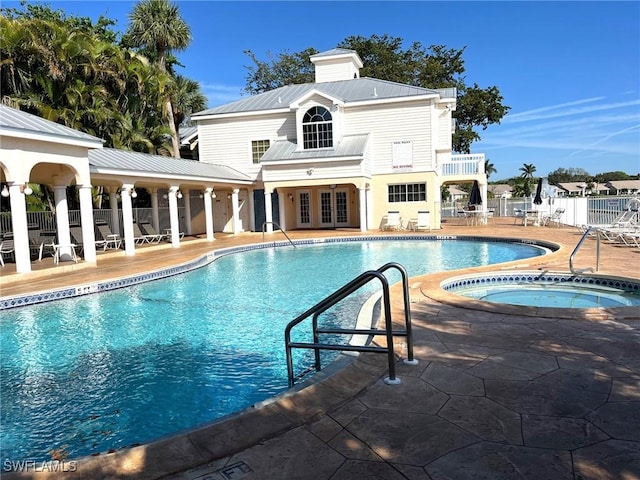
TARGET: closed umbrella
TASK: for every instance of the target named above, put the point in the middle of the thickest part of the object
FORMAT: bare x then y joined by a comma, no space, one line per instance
475,198
538,198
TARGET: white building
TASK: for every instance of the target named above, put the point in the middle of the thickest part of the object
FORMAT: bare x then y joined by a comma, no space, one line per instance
340,152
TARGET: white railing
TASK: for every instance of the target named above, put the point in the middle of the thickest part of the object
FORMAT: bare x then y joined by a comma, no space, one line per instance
466,164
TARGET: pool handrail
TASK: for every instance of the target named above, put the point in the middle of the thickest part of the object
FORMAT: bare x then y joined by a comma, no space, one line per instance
577,247
275,224
339,295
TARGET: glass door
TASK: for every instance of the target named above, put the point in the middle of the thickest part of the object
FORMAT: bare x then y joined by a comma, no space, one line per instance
334,207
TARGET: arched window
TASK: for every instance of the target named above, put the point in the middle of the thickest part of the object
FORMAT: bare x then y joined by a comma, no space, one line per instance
317,128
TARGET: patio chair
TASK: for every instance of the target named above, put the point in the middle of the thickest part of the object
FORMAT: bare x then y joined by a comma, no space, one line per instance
393,221
7,247
43,243
422,222
151,233
490,216
109,239
518,214
139,237
552,217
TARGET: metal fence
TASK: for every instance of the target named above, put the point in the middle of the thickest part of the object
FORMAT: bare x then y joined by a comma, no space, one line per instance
578,211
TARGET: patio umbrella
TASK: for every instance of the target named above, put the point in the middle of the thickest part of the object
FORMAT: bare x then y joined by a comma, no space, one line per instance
475,198
538,198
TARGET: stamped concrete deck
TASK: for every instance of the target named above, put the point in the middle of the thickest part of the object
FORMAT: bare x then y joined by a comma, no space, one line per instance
495,396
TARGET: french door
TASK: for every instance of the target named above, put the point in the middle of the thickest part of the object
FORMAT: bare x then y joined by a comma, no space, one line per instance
333,207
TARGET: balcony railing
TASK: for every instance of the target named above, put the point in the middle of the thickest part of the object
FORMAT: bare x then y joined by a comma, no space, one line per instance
466,164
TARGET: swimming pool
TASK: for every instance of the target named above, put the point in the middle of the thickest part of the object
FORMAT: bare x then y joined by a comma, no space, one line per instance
548,290
106,371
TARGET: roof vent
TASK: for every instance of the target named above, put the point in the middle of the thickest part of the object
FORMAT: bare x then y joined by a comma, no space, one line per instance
279,99
375,92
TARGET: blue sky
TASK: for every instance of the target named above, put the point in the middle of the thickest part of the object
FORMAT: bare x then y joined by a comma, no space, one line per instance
570,71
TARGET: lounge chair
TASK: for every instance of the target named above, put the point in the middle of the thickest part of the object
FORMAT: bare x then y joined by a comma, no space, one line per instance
7,247
393,221
422,222
553,217
109,239
631,239
139,237
41,242
152,234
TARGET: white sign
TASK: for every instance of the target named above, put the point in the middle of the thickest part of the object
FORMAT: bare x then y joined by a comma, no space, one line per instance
402,155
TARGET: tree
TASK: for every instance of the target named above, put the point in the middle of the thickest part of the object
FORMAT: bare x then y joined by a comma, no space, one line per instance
526,179
187,98
384,58
489,168
158,26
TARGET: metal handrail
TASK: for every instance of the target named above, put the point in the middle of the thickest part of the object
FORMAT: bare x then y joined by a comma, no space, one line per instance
336,297
264,224
577,247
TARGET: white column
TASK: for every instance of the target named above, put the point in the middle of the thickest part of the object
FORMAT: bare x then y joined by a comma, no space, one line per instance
268,212
362,198
127,219
208,213
236,211
483,191
187,211
282,221
252,210
62,218
20,230
369,207
86,219
436,211
113,206
155,217
173,216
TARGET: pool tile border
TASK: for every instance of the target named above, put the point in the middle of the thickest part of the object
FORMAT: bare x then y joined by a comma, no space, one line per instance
458,283
96,287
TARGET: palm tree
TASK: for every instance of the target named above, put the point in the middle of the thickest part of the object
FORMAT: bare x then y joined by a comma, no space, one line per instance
489,168
527,169
158,26
187,99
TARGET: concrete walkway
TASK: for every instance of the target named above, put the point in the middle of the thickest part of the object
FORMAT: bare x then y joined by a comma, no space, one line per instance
495,396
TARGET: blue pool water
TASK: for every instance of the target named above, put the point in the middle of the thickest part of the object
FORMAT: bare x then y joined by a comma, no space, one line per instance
114,369
554,295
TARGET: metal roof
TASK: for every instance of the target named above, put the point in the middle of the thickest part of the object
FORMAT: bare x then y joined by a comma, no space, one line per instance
335,51
13,120
157,165
353,90
285,150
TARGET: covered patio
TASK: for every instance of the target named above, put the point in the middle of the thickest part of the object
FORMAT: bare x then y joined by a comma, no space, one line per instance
37,151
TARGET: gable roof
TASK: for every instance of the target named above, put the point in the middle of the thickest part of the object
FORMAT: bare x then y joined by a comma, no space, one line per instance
624,184
110,160
347,91
16,123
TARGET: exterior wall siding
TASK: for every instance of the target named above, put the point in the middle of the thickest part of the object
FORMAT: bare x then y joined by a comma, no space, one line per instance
394,123
343,70
228,141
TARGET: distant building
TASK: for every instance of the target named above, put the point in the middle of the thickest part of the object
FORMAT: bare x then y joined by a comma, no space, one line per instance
501,190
